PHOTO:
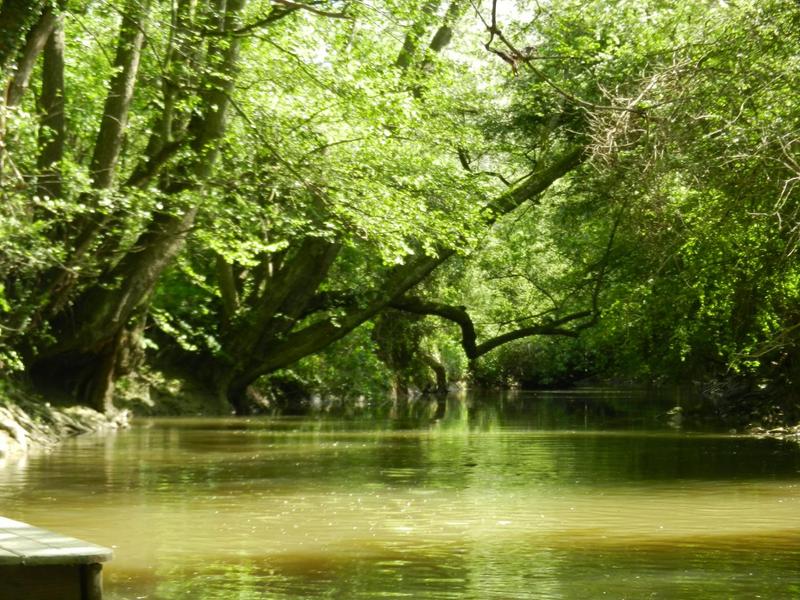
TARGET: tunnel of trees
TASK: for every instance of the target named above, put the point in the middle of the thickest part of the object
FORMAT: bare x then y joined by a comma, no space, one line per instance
349,193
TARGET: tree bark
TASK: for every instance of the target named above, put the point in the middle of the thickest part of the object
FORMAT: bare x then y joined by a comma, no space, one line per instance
285,301
227,291
439,372
52,130
34,45
36,39
444,34
120,93
286,295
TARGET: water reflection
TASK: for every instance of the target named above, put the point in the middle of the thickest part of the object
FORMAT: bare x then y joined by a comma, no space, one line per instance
519,496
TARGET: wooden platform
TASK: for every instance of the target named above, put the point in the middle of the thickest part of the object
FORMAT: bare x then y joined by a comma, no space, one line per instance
36,564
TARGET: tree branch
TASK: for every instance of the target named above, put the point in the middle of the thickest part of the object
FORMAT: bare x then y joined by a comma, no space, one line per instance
466,163
287,7
515,57
312,9
399,280
272,17
473,350
34,45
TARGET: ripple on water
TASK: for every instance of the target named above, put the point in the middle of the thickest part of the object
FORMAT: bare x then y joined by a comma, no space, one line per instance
309,509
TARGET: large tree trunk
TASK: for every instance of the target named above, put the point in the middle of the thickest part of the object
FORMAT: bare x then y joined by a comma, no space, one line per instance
34,44
18,83
284,350
439,371
96,329
95,332
53,123
285,300
59,282
120,94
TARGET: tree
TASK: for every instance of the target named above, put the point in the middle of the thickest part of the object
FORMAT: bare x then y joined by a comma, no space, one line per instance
711,289
257,181
16,19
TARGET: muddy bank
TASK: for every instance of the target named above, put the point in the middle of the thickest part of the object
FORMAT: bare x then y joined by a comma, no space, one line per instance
29,425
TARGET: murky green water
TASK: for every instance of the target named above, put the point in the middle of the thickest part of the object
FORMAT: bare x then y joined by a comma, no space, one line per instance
575,495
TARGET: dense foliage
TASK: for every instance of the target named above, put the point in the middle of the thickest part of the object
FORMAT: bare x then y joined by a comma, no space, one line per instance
351,197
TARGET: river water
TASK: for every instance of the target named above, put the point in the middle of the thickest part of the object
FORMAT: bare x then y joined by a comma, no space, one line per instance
583,494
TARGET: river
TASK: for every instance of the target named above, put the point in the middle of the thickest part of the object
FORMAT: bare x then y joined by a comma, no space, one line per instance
582,494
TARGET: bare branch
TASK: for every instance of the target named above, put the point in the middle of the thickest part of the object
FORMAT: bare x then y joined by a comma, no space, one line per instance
515,57
463,158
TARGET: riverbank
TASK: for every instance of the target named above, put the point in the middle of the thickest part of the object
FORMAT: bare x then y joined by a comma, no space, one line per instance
29,423
763,409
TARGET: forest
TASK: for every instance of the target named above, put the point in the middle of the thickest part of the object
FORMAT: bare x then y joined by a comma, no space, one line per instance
357,197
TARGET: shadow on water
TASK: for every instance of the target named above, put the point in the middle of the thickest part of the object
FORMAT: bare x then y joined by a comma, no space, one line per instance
579,408
696,568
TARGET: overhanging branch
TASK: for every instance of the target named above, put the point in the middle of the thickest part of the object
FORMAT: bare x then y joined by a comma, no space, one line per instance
402,278
280,10
312,9
473,350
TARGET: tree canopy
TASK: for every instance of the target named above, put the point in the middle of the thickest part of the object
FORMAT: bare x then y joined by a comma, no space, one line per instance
531,191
